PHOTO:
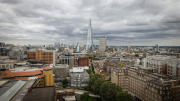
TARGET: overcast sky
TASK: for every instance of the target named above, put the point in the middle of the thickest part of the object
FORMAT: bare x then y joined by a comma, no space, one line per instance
124,22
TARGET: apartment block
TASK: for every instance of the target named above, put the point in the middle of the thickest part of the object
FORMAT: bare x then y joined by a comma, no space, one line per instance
45,56
135,81
173,68
164,64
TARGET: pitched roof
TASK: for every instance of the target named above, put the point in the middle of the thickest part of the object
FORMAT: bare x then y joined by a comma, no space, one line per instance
26,73
13,74
7,73
47,67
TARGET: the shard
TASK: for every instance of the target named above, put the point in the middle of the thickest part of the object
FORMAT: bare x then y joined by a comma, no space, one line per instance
89,44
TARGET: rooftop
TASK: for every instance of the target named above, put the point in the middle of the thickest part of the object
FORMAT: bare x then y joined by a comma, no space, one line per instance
40,94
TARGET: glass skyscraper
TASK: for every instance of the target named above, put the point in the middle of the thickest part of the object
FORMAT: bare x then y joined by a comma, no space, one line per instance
89,44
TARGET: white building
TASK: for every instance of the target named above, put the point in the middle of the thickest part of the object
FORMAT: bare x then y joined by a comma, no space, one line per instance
79,76
102,44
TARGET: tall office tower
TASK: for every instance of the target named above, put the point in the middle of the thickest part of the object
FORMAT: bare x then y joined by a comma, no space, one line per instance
80,47
156,48
129,49
102,44
89,44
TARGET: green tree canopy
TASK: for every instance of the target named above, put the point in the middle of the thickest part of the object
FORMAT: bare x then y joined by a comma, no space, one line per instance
120,64
65,82
93,79
97,85
89,71
84,96
136,55
123,96
109,91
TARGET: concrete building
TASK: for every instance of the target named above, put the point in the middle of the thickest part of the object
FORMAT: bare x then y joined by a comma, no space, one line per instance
16,55
102,44
143,83
79,76
80,47
129,49
156,48
61,71
169,65
173,68
45,56
6,63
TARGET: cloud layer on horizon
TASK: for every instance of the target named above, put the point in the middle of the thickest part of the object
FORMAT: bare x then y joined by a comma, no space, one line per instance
124,22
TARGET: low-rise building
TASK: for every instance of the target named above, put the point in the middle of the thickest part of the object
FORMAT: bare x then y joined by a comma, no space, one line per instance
79,76
100,71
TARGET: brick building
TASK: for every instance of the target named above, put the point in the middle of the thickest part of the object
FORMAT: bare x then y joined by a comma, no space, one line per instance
74,60
143,83
45,56
83,61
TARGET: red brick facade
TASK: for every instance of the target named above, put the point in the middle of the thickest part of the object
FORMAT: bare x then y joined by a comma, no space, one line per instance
83,61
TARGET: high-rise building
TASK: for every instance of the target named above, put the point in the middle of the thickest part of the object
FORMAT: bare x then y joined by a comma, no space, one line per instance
102,44
156,49
89,44
80,47
129,49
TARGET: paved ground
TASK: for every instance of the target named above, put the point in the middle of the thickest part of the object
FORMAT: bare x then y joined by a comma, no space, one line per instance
79,92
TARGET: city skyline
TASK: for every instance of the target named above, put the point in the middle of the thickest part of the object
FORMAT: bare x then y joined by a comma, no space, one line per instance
125,22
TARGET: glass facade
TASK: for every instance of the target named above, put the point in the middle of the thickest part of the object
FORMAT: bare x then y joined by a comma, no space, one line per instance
89,44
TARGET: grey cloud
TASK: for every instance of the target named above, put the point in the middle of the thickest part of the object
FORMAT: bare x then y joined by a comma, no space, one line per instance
121,21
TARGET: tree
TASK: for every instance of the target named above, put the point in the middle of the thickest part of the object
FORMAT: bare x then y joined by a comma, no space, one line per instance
84,96
65,82
97,85
93,79
109,79
136,55
89,71
92,68
140,63
109,90
123,96
120,64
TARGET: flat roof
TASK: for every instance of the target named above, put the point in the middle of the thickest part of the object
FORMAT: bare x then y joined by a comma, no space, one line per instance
12,89
40,94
